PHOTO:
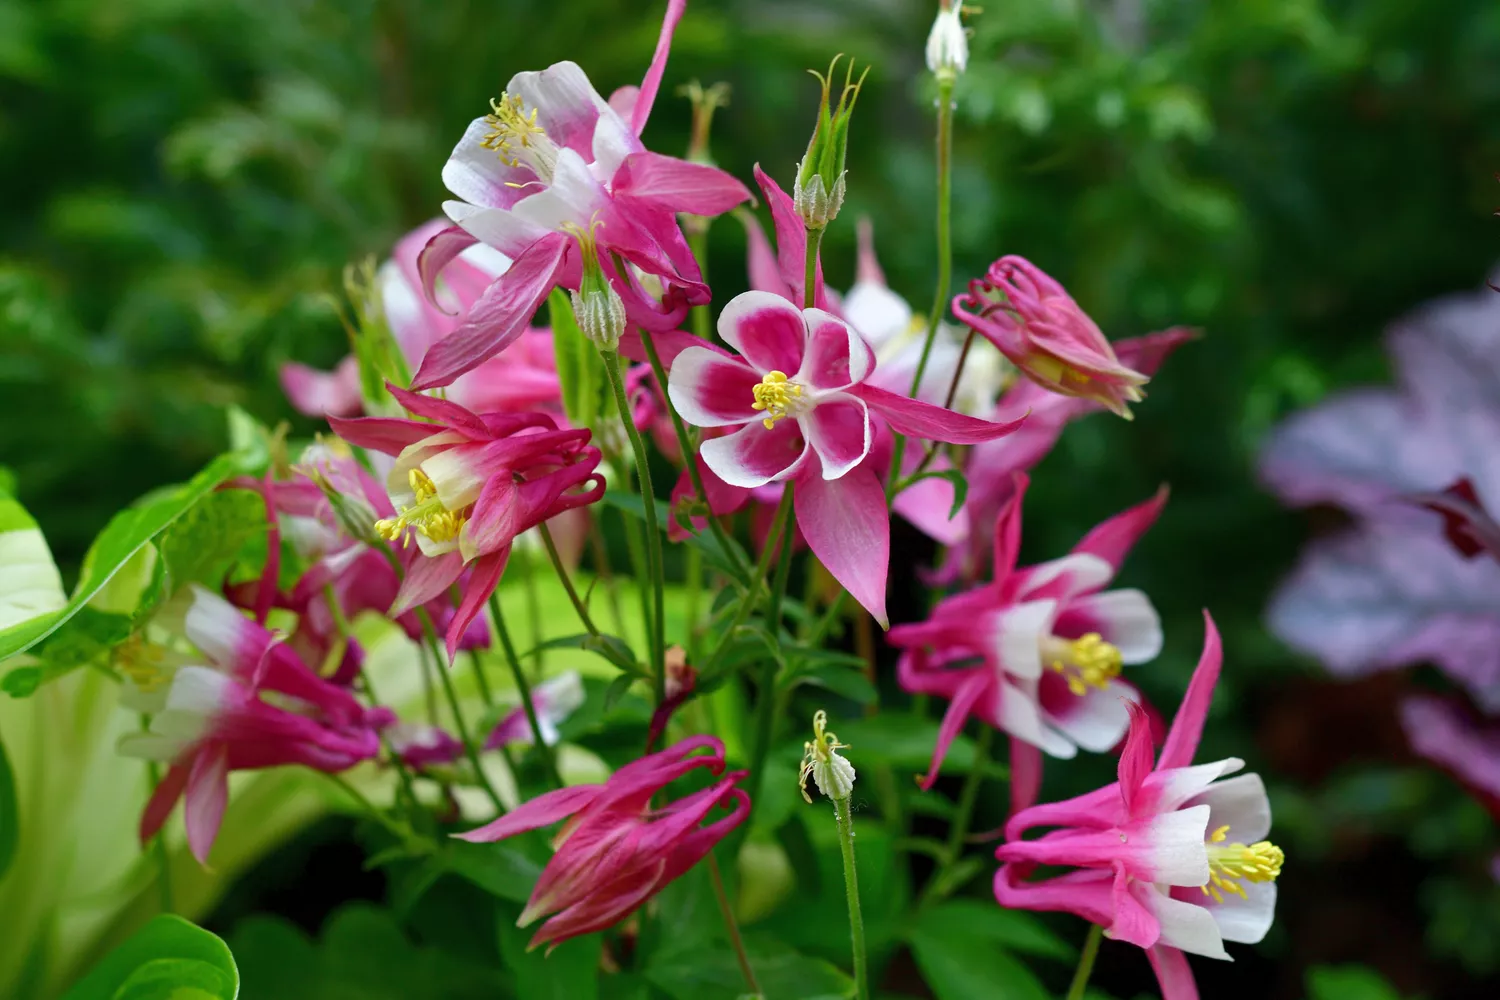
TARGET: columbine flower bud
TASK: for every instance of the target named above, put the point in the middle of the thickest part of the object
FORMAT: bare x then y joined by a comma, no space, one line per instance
596,304
322,463
818,192
947,43
833,775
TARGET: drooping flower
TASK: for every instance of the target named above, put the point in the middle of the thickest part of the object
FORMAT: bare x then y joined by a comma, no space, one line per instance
1171,857
799,397
947,42
213,719
465,486
1400,586
553,699
1037,653
1040,329
552,162
615,851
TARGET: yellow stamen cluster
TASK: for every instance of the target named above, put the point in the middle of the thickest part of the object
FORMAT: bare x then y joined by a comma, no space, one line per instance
1088,661
515,135
143,663
775,395
1229,864
426,514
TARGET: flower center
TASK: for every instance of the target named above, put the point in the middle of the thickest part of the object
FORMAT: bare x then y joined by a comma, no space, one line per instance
518,139
142,662
425,514
1231,863
1085,662
777,396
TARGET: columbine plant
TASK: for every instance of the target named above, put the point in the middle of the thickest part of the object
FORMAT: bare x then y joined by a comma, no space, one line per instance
459,612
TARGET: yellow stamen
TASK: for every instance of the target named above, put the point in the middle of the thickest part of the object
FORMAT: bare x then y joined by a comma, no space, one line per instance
143,663
1085,662
775,395
518,139
425,514
1231,863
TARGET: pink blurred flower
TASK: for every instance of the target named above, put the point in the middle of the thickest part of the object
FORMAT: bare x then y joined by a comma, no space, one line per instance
552,161
1444,734
812,426
554,700
616,851
1046,644
1169,858
213,719
1040,329
464,486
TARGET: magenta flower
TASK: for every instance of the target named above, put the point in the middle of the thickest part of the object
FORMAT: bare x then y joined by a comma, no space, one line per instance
552,161
616,851
466,486
1037,653
799,407
1398,588
1040,329
1170,857
554,700
213,719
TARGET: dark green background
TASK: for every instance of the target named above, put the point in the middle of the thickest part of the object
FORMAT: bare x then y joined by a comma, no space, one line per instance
184,179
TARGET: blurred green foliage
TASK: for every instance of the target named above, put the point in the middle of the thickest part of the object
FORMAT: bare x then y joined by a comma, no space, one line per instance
184,180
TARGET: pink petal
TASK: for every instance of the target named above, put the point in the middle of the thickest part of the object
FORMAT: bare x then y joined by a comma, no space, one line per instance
1008,528
1187,726
760,261
437,254
499,317
754,455
1136,759
1113,539
1173,973
622,101
1146,354
867,266
163,798
441,411
541,811
1025,774
838,429
848,529
837,356
388,435
791,243
641,108
319,394
485,578
928,504
206,796
711,390
918,419
767,329
668,344
426,578
1133,922
672,185
1088,894
965,698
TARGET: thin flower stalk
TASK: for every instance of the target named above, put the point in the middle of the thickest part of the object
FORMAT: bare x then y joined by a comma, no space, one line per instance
1086,963
549,761
731,924
567,580
459,722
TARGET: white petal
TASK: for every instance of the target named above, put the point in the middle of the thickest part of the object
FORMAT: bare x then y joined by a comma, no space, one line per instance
572,197
507,232
1186,926
1127,620
1018,633
878,313
151,746
1239,803
196,691
1020,716
1245,919
1098,719
1085,573
1177,785
1176,846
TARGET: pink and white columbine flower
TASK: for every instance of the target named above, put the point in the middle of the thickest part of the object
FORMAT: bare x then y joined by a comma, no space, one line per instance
1050,642
465,486
1170,857
616,851
553,699
552,162
213,719
1040,329
798,394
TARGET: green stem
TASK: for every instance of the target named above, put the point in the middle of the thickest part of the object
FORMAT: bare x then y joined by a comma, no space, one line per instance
402,774
730,924
752,590
835,608
1086,962
934,447
481,680
524,688
783,570
698,243
395,829
533,610
688,452
567,581
602,568
656,636
459,722
962,817
851,889
694,590
809,289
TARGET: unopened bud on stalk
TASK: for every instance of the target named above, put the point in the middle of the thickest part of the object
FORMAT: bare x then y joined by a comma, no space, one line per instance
833,775
596,304
818,192
947,43
355,515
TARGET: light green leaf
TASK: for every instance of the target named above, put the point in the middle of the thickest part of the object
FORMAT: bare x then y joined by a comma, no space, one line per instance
1010,929
29,584
168,959
571,972
125,534
204,543
1348,982
783,974
961,965
10,813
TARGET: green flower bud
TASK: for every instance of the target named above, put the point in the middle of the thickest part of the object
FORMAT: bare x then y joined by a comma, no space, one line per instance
596,304
818,191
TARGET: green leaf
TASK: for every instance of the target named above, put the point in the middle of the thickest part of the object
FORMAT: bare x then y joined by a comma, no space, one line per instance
612,648
10,813
903,742
125,534
569,972
498,869
276,960
205,542
783,974
1348,982
960,964
168,959
1010,929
